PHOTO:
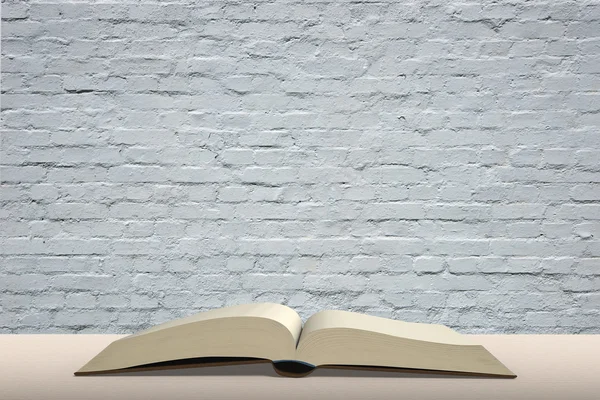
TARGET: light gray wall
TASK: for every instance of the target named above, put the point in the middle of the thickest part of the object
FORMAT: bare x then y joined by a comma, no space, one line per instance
433,161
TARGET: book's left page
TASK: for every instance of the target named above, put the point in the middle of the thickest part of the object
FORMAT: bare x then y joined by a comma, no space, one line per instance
254,331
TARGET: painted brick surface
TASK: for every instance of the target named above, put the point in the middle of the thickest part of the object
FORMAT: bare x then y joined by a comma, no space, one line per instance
433,161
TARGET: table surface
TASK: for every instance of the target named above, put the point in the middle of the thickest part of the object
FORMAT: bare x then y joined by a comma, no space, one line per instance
548,367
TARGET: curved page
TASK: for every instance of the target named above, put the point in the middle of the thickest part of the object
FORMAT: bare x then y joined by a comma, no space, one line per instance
263,331
341,338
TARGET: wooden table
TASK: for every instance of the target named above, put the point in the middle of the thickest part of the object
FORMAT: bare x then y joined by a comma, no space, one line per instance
548,367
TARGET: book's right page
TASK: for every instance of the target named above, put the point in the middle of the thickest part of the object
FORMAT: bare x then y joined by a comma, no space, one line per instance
350,339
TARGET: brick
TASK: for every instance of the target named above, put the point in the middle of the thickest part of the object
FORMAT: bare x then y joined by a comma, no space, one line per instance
343,282
585,192
589,301
394,211
137,246
199,175
137,174
22,174
240,264
588,266
524,229
233,194
237,156
393,174
145,137
80,300
113,301
138,211
456,212
267,246
428,264
328,246
277,282
581,284
201,192
207,247
365,263
269,176
138,301
63,211
99,283
139,229
586,230
366,299
518,211
139,66
392,245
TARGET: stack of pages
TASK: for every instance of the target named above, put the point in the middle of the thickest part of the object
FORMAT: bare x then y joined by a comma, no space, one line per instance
274,333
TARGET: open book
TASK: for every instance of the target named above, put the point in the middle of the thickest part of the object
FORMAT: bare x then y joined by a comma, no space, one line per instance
274,333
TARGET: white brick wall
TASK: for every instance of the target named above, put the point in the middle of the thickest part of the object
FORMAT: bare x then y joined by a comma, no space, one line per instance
433,161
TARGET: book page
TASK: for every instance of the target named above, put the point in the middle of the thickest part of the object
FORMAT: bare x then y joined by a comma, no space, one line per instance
342,338
409,330
277,312
262,331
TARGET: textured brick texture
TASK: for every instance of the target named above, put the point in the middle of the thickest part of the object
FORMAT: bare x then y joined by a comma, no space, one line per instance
431,161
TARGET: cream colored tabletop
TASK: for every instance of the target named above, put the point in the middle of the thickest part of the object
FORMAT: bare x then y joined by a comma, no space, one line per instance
548,367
